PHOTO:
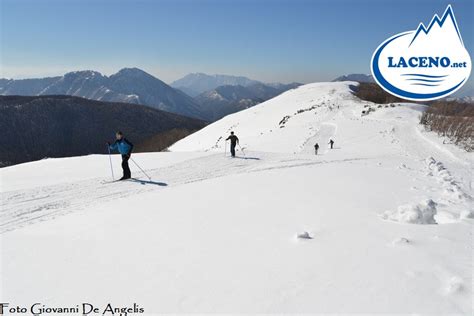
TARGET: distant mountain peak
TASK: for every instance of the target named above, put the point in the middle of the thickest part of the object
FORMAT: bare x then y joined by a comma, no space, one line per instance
132,70
83,73
355,77
134,73
197,74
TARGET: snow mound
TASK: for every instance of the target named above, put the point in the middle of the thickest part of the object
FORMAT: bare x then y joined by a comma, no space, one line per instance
304,235
421,213
454,285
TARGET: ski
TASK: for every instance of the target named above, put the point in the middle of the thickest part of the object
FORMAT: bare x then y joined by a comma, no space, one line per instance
110,181
127,180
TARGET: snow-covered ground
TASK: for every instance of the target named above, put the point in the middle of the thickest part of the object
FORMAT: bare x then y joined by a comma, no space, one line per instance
385,218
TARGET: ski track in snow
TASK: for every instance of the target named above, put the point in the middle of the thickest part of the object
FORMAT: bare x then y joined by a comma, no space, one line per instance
25,207
322,117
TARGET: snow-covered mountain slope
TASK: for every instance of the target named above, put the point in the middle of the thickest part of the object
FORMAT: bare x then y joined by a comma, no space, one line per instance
129,85
385,218
282,124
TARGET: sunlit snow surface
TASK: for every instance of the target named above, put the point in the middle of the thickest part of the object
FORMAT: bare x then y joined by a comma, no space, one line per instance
381,223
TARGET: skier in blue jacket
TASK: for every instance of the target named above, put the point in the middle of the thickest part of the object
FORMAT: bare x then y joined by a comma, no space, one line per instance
125,148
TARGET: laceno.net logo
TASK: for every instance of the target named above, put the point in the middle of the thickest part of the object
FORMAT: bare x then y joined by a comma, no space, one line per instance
426,64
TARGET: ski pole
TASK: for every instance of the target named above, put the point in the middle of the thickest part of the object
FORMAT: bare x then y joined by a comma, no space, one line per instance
225,149
243,152
141,169
110,160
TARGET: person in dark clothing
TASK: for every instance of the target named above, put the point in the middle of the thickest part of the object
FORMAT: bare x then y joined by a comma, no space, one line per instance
316,147
234,140
331,142
125,148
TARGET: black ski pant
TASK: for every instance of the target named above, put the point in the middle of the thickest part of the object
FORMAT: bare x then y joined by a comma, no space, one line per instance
125,167
232,149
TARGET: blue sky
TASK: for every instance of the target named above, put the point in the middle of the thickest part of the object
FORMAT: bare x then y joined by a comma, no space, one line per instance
269,40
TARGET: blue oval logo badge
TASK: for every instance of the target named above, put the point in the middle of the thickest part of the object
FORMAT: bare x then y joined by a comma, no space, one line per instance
428,63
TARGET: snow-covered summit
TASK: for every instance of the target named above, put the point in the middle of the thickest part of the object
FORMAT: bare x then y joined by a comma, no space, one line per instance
282,124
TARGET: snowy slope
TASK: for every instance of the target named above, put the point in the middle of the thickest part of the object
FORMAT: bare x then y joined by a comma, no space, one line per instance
263,127
388,213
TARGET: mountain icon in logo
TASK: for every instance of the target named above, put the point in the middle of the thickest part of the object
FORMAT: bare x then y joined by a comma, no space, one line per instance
426,64
437,25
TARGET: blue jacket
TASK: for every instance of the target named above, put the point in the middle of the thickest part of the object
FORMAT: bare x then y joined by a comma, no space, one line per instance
123,146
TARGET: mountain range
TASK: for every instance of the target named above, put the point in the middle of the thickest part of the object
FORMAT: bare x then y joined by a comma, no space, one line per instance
197,95
129,85
220,95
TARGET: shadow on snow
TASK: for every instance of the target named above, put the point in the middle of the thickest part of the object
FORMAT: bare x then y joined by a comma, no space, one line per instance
162,184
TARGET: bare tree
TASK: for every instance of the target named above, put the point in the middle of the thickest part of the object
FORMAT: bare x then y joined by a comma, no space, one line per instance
453,120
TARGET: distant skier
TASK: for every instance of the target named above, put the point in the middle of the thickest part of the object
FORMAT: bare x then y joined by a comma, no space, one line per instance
125,148
316,147
234,140
331,142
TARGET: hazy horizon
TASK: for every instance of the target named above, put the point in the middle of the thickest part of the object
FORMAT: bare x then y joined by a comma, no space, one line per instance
268,40
109,73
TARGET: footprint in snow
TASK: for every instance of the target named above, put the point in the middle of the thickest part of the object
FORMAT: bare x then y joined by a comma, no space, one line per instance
401,241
